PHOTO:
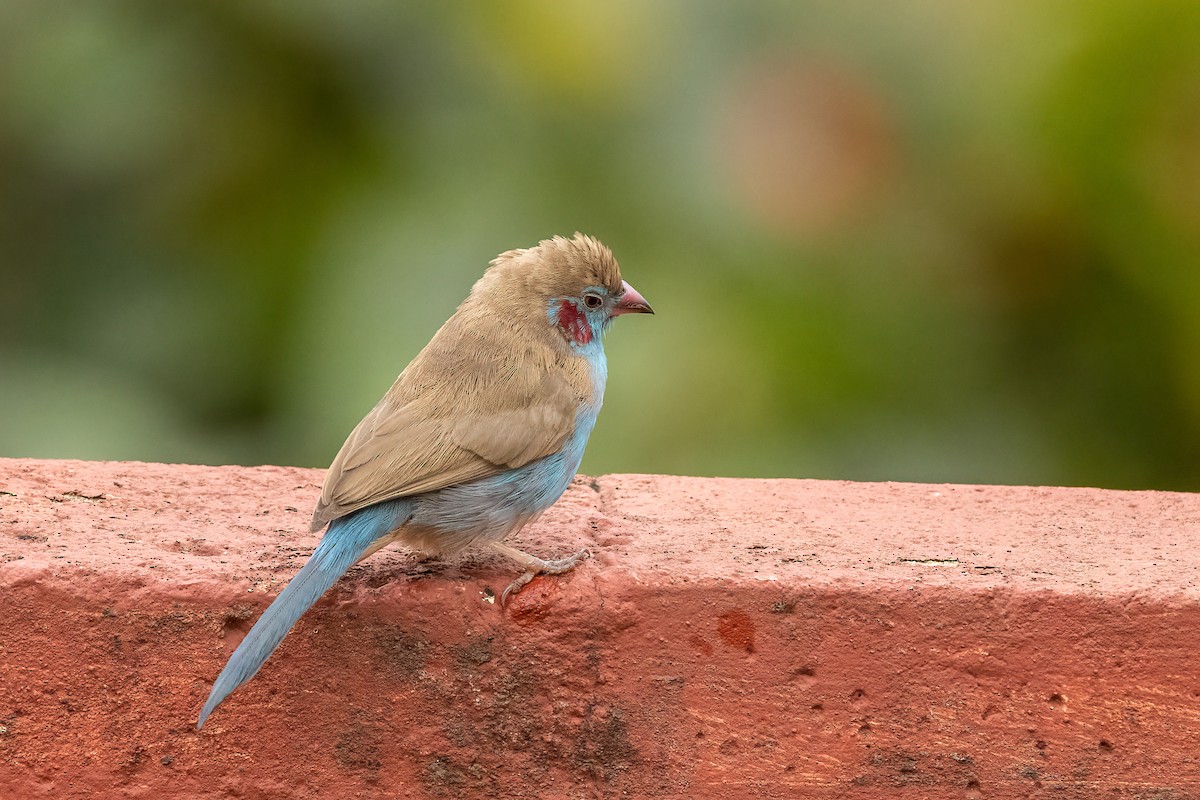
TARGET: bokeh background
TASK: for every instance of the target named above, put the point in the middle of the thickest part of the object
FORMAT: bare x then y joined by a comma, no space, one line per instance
934,240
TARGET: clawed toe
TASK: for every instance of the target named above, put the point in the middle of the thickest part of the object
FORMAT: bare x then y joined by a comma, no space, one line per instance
561,565
515,586
535,566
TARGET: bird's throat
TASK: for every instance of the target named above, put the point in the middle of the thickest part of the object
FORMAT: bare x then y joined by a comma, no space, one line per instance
573,323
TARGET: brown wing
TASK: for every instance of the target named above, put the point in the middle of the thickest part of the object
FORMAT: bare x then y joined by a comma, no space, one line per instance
472,404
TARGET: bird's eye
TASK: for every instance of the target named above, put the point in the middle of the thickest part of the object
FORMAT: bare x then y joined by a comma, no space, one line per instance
592,300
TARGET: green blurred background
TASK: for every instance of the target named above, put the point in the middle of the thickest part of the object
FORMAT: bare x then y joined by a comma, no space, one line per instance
937,240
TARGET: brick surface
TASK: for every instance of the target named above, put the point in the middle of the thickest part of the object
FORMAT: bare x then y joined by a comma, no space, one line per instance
730,638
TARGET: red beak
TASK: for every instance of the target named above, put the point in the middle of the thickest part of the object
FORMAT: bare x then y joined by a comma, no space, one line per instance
631,302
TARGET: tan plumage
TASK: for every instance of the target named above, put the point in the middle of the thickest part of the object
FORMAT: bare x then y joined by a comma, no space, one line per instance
497,386
482,432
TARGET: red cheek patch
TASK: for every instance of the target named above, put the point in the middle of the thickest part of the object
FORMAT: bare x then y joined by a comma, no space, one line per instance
573,323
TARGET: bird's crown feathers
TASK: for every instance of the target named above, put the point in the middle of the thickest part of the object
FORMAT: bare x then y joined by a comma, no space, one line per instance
555,267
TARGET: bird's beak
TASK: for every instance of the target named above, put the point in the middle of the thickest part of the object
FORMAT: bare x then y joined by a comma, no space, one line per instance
631,302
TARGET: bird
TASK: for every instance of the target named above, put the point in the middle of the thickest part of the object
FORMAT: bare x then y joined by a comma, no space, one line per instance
481,432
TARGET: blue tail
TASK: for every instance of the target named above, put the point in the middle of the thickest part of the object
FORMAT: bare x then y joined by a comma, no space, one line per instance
344,543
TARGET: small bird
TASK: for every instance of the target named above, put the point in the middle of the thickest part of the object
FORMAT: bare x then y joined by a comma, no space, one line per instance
480,434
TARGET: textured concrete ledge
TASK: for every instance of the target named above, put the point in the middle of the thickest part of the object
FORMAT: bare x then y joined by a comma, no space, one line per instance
731,638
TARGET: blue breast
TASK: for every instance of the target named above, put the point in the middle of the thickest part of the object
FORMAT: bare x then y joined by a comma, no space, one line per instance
492,507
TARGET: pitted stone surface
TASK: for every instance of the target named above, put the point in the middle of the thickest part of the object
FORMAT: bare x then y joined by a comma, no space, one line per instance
729,638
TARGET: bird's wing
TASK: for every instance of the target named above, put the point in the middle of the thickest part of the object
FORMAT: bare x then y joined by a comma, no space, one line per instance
475,425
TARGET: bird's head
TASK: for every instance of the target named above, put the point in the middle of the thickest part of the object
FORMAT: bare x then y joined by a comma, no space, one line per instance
575,283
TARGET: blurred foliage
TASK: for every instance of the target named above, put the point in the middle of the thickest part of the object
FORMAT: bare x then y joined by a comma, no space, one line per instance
932,241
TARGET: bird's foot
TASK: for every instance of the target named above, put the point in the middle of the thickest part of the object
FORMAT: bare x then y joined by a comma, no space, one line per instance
535,566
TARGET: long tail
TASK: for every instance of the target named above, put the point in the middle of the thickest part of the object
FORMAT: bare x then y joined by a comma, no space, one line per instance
347,540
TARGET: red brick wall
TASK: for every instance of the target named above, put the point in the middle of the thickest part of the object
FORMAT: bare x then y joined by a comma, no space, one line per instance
730,638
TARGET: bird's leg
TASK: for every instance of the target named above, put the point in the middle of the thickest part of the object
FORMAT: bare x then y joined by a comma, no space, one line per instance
535,566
